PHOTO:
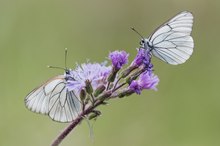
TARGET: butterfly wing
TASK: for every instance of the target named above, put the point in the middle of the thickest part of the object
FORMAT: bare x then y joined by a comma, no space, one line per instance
172,42
52,98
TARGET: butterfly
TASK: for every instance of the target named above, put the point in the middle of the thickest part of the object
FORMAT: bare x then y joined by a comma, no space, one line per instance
171,42
52,98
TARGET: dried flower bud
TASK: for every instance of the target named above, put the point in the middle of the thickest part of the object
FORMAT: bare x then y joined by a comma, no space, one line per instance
99,90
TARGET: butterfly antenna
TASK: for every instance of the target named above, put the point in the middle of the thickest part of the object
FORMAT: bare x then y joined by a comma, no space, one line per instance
132,28
65,58
56,67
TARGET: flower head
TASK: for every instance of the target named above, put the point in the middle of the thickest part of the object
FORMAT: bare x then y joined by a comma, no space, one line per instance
142,58
95,73
147,80
135,87
118,58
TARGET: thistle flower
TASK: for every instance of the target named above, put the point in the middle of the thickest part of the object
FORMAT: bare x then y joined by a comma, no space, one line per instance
147,80
142,58
95,73
118,58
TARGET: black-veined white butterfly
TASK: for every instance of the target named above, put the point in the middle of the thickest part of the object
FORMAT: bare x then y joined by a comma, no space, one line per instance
53,99
171,42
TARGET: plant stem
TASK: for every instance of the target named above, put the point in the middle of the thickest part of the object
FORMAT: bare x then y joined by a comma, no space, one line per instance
116,83
70,127
66,131
118,87
108,86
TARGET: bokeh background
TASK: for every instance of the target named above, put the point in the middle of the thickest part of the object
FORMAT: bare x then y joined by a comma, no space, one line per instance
185,111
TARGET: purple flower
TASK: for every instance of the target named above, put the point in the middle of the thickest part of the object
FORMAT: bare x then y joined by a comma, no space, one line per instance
118,58
143,57
147,80
134,86
96,73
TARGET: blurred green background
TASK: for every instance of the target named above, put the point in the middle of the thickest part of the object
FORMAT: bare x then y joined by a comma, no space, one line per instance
185,111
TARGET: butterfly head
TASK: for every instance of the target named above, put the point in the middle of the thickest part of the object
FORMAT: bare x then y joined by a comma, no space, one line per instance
144,43
67,71
68,75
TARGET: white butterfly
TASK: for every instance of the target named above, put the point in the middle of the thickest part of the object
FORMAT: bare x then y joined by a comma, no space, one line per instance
171,42
52,98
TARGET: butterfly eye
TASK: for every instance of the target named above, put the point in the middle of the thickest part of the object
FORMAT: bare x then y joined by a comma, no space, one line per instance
141,42
67,71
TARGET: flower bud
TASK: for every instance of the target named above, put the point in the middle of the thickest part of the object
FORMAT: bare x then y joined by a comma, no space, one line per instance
105,95
94,115
99,90
82,94
125,93
134,76
88,87
131,78
126,72
87,100
113,74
